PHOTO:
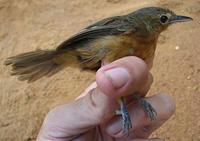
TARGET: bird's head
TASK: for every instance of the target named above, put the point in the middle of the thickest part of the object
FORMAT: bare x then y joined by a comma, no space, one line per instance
156,19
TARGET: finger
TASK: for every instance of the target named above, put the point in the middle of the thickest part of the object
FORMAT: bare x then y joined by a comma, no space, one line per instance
95,107
142,125
165,108
123,77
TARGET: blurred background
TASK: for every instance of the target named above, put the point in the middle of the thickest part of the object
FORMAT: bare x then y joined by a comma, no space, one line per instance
26,25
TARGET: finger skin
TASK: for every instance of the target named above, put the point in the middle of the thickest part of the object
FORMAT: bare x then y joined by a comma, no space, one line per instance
137,69
142,125
95,107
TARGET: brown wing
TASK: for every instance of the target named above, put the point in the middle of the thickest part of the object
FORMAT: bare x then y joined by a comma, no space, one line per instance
89,34
110,26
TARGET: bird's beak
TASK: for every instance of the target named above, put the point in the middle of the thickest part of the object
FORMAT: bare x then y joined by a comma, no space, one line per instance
179,18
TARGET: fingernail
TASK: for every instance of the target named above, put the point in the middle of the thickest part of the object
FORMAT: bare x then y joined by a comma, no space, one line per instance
118,77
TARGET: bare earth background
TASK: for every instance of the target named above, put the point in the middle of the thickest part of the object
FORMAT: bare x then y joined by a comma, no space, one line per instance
26,25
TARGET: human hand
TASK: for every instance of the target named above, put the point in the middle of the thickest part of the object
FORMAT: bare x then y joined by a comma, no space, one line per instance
91,117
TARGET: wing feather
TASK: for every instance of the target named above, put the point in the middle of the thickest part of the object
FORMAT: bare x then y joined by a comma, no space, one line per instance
109,26
88,34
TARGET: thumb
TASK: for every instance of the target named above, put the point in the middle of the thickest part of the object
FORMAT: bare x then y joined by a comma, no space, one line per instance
123,77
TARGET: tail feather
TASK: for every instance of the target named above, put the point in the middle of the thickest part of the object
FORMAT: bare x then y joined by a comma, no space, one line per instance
32,66
30,58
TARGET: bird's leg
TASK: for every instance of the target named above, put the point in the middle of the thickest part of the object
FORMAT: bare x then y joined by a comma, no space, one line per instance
148,109
125,116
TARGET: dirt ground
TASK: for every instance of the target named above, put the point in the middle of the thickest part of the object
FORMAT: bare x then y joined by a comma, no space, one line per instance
26,25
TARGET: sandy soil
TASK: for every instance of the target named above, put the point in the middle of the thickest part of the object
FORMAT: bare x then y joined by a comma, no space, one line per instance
26,25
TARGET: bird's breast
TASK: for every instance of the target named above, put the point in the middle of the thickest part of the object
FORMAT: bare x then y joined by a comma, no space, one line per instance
128,45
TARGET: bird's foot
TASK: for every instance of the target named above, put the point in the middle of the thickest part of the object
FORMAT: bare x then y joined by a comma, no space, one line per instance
148,109
127,125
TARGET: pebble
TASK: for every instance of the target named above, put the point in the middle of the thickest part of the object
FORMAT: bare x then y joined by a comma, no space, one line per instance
188,77
177,48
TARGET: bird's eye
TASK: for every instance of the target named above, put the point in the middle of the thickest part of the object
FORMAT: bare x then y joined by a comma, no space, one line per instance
163,19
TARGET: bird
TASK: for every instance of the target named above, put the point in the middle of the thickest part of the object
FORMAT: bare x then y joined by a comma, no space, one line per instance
133,34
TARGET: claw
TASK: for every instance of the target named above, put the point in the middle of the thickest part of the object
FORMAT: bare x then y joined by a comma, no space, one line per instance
149,110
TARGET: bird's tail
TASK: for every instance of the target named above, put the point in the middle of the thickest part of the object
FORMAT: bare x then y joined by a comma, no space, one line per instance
33,65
